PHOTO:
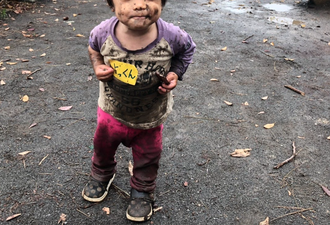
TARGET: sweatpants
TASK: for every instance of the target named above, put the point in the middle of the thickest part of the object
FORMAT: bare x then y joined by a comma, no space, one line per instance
146,149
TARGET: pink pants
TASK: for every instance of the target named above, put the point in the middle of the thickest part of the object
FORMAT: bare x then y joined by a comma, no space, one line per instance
146,148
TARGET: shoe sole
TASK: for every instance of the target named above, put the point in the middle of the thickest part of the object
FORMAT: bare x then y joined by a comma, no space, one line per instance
138,219
100,199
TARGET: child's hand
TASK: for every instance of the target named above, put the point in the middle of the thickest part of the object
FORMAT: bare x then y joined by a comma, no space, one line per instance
103,72
173,79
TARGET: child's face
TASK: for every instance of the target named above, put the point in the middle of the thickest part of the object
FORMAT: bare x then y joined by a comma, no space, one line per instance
137,15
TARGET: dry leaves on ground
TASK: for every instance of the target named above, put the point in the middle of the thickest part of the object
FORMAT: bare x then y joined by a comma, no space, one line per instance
106,210
62,218
241,153
326,190
65,108
13,216
265,222
130,168
24,153
269,125
228,103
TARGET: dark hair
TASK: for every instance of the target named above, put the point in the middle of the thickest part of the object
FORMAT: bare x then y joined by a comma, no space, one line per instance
110,3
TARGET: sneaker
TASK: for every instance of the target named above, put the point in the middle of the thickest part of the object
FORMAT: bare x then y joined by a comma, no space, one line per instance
96,191
140,206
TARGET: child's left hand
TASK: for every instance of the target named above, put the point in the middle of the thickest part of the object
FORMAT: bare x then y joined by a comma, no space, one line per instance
173,79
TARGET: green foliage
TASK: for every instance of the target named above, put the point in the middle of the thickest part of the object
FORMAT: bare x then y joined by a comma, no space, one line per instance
3,14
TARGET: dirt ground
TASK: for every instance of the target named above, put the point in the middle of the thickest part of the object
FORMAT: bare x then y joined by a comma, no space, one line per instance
247,51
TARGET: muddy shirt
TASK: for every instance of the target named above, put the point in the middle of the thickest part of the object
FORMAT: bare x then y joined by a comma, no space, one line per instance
132,97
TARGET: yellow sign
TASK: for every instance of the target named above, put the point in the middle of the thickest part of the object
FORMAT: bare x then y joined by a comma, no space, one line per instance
124,72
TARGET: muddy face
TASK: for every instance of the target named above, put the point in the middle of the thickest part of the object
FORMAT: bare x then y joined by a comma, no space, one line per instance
137,15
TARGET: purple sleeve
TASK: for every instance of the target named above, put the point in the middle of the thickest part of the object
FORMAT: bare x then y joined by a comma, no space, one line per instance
100,34
182,45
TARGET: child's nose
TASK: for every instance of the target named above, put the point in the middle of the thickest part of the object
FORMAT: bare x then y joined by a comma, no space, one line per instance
140,4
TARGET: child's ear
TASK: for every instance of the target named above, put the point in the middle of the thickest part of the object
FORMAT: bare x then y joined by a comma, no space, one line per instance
113,9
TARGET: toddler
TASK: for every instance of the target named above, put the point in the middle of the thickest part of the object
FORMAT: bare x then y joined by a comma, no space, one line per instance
138,59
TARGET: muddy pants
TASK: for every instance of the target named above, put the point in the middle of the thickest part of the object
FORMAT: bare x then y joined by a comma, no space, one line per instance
146,148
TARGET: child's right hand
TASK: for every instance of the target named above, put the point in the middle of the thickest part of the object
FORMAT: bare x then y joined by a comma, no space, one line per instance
103,72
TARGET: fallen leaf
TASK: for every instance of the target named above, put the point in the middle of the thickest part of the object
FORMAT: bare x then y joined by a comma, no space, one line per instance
157,209
11,63
68,64
265,222
43,35
272,43
8,28
25,98
65,108
48,137
303,25
65,18
262,112
31,50
106,210
326,190
80,35
130,168
2,82
42,55
328,138
26,72
270,125
13,216
288,59
2,68
246,103
24,153
233,71
41,89
264,98
241,153
62,218
329,43
89,78
224,49
228,103
214,80
265,40
25,60
75,15
7,47
26,35
185,184
33,125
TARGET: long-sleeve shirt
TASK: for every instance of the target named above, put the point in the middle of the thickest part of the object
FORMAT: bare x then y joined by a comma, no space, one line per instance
132,97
